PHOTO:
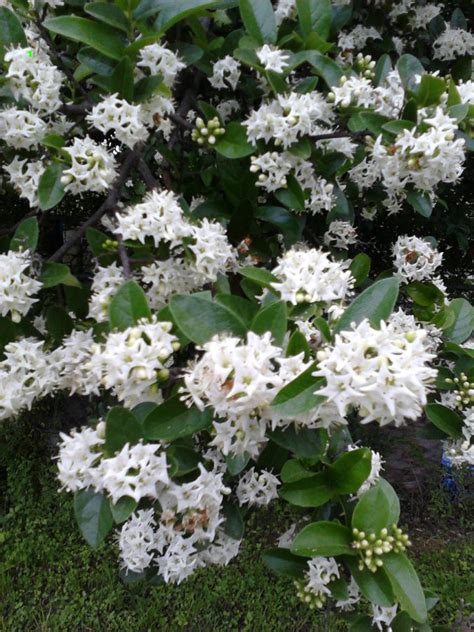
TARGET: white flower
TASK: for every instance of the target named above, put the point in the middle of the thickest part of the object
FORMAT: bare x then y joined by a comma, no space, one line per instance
310,276
131,360
212,250
17,288
159,217
357,38
31,76
274,169
20,128
272,58
221,551
375,469
137,541
179,561
77,372
285,9
257,488
424,14
105,284
137,471
353,597
79,455
321,572
24,177
340,235
118,115
382,373
243,434
92,167
415,259
232,376
225,73
453,43
160,60
383,617
168,277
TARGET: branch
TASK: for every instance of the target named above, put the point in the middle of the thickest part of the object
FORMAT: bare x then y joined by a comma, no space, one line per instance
179,120
144,170
113,197
340,134
127,269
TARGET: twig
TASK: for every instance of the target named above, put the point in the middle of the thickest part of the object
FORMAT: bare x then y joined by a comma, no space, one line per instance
127,269
113,197
144,170
340,134
179,120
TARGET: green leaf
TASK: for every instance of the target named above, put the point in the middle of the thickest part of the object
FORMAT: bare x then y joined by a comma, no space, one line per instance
429,90
11,31
299,396
305,443
292,196
272,318
101,64
93,516
236,463
121,427
199,318
96,239
397,127
26,235
174,420
324,66
408,67
445,419
360,268
378,508
425,294
290,226
406,585
182,460
234,144
420,202
242,308
376,303
293,471
128,306
382,68
50,188
375,587
54,274
283,562
342,209
234,525
259,275
297,344
312,491
121,80
99,36
58,322
349,471
323,538
463,313
314,15
122,509
109,13
146,87
259,20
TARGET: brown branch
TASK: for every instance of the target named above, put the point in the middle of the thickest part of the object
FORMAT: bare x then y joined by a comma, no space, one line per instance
340,134
179,120
110,203
144,170
127,269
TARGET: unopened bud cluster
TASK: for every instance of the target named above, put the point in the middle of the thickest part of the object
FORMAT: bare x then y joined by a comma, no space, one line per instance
110,244
464,390
307,595
373,546
207,133
365,65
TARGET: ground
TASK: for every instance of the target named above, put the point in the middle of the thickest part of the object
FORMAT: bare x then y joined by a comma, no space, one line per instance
50,580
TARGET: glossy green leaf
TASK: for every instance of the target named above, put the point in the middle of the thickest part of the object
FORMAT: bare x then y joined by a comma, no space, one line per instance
323,538
199,318
290,226
58,322
293,471
234,144
182,460
421,203
234,524
376,303
462,326
259,20
128,306
406,585
102,37
54,274
299,396
109,13
292,196
26,235
445,419
272,318
350,470
11,31
50,188
174,420
237,463
314,15
99,63
324,66
121,427
121,80
375,587
360,268
378,508
312,491
305,443
409,67
283,562
261,276
122,509
429,90
93,516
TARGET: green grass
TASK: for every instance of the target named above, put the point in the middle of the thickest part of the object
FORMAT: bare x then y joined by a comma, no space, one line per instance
50,579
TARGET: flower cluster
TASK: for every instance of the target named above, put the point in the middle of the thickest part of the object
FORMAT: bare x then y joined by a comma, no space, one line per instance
17,289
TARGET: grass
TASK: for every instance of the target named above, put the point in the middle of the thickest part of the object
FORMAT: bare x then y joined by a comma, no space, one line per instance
50,579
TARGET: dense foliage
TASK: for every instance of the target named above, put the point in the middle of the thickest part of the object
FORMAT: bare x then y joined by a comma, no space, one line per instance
229,240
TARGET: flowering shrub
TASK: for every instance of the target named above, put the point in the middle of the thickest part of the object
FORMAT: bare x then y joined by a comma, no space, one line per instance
229,163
